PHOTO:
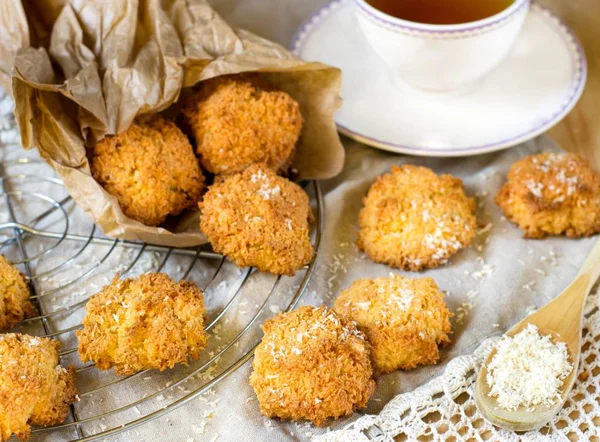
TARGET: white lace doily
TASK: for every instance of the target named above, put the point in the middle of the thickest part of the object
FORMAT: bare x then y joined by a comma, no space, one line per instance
444,409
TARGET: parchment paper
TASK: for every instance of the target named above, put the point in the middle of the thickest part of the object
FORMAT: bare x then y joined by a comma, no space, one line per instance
102,63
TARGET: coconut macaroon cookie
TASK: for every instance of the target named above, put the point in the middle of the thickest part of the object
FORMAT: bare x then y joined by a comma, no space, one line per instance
149,322
14,296
151,169
414,219
552,194
311,364
259,219
34,388
405,320
240,122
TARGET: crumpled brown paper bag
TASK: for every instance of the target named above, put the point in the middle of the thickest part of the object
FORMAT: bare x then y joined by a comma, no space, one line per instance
87,68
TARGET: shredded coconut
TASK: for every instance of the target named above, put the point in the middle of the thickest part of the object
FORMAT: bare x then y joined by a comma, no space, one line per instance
363,305
34,342
527,370
258,176
267,192
535,188
485,229
402,300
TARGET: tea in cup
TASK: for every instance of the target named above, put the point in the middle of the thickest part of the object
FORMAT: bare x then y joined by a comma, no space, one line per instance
441,45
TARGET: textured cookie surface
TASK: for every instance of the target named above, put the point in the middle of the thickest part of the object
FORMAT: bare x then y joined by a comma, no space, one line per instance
14,296
311,364
239,122
259,219
151,169
34,388
552,194
414,219
149,322
405,320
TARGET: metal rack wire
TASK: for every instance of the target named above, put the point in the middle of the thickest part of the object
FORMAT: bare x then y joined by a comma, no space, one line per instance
67,259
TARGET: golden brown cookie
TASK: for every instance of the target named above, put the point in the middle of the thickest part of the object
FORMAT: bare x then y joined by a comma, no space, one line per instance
405,320
259,219
552,194
311,364
413,219
14,296
149,322
151,169
34,388
240,122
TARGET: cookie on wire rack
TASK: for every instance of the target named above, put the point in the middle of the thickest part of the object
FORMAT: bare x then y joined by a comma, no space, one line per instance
311,364
413,219
259,219
405,320
552,194
149,322
34,388
14,296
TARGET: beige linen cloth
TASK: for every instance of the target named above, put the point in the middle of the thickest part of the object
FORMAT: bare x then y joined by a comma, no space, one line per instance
497,281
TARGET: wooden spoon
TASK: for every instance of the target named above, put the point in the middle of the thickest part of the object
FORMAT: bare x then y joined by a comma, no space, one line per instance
561,319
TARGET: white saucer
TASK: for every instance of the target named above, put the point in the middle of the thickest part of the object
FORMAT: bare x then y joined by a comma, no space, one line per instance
533,89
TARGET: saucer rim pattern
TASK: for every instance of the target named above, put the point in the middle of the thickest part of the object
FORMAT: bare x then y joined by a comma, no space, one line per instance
577,85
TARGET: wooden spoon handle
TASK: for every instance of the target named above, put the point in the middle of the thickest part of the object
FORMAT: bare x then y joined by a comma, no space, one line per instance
591,266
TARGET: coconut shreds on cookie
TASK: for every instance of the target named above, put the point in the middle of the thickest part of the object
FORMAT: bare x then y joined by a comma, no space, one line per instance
259,219
148,322
413,219
552,194
34,388
151,169
240,122
405,320
311,364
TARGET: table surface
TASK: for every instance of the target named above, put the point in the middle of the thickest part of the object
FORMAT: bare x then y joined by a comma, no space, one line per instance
579,131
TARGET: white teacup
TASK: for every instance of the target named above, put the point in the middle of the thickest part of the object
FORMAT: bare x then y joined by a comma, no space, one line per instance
441,57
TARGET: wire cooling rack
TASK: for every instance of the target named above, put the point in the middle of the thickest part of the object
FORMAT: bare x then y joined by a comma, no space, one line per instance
67,259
